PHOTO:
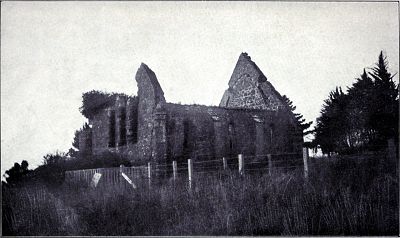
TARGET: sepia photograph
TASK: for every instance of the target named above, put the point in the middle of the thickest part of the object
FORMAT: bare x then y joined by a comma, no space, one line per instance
199,118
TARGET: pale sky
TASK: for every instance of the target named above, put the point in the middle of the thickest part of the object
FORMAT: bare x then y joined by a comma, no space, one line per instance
52,52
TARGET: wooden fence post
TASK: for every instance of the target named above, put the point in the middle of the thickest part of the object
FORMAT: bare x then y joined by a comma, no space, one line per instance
224,162
175,169
305,161
149,170
241,164
269,164
190,172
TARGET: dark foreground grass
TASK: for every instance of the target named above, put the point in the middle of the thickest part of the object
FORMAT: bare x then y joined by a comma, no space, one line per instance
351,198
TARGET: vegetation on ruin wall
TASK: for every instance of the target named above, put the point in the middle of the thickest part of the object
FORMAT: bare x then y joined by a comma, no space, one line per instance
350,196
94,100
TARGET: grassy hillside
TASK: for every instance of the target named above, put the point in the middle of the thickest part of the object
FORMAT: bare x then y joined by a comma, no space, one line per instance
342,196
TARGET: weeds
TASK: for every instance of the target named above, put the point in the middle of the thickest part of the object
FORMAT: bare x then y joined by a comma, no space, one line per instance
356,199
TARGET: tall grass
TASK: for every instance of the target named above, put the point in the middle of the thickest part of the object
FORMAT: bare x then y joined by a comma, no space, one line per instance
352,198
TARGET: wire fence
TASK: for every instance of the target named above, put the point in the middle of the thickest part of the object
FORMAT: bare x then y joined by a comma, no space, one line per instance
194,168
208,164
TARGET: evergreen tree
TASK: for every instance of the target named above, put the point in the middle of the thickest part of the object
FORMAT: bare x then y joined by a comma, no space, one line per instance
359,111
364,118
385,116
331,129
301,122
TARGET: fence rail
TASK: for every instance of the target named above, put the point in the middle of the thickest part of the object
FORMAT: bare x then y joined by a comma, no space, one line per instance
242,164
191,169
111,176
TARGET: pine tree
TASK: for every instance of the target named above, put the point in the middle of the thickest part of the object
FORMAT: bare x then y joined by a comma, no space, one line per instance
359,111
385,116
364,118
331,129
301,122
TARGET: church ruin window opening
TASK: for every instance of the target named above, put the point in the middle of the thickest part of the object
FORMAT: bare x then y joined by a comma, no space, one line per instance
271,136
122,127
111,133
230,136
134,127
132,123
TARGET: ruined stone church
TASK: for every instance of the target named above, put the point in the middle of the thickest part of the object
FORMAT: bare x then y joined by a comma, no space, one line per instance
252,119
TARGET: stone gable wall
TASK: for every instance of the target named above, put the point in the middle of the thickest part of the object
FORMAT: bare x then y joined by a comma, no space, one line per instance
249,88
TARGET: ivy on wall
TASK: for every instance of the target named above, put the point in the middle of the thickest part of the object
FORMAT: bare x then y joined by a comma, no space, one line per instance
95,100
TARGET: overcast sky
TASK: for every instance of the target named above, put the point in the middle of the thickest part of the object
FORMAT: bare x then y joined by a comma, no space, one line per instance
52,52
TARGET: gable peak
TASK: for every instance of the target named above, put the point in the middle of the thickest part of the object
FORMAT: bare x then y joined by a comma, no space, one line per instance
244,56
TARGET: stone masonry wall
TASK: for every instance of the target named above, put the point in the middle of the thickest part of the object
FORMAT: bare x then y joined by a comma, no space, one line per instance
150,95
249,88
251,119
208,133
85,141
100,131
